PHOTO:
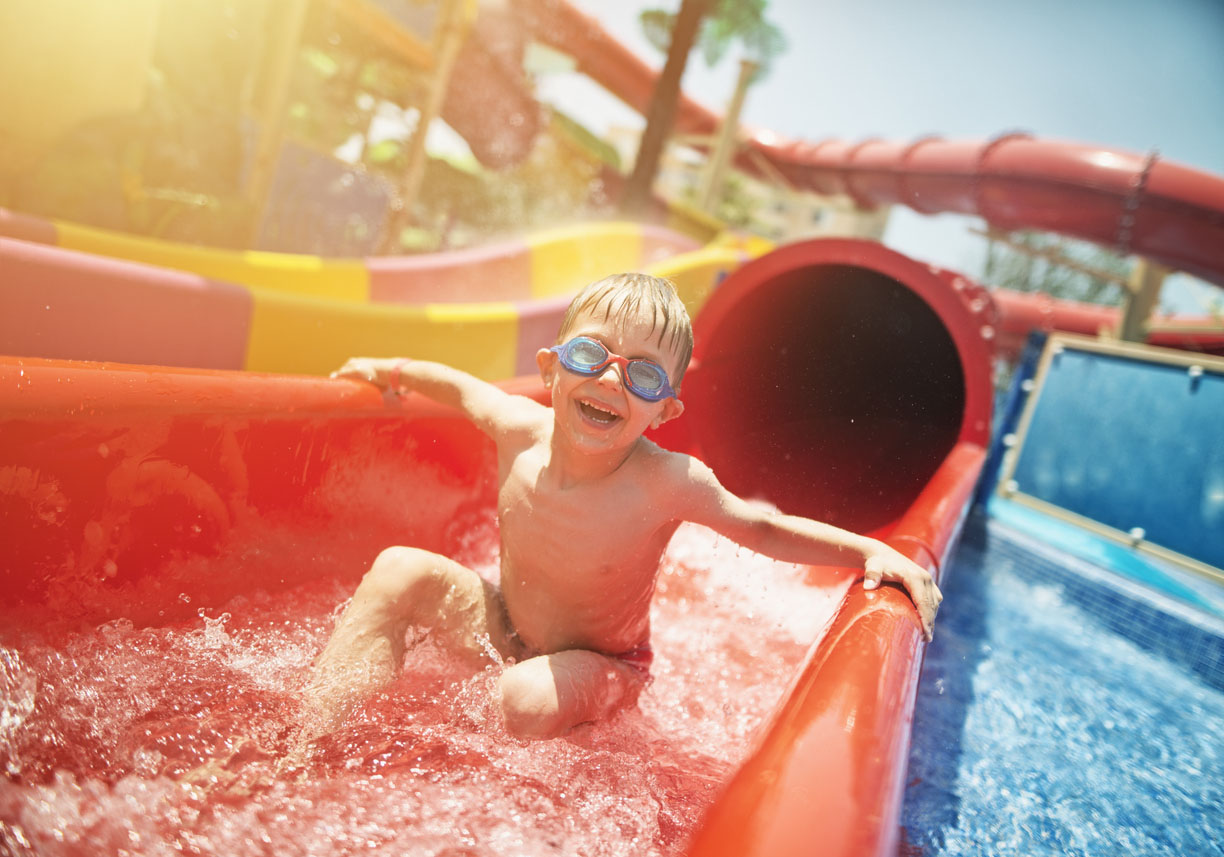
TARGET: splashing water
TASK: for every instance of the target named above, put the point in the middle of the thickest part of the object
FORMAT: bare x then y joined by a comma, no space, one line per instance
172,740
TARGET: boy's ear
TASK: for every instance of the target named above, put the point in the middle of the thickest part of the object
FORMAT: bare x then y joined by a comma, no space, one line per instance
672,408
546,359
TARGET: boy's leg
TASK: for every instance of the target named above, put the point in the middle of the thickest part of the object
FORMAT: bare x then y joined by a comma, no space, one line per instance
546,696
404,587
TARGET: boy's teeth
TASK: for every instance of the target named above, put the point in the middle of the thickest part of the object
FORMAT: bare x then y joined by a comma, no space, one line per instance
598,413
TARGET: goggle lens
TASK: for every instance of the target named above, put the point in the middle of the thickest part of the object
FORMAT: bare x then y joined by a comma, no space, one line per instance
647,376
587,353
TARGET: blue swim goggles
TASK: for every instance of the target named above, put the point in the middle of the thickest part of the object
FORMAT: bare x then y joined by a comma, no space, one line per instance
644,378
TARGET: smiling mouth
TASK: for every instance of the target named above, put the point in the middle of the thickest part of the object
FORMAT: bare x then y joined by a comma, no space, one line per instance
598,413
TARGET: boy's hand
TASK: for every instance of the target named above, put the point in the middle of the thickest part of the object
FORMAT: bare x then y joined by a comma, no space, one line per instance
371,369
888,564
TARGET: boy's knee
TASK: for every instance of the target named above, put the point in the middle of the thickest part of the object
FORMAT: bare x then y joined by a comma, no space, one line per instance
529,703
399,569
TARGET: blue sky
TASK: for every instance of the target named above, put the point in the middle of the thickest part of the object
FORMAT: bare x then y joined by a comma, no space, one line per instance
1127,74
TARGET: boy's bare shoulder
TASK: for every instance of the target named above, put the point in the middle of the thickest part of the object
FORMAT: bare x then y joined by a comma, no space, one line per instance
676,471
528,407
521,414
686,487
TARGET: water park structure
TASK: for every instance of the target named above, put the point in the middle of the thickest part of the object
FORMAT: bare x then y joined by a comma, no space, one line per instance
165,407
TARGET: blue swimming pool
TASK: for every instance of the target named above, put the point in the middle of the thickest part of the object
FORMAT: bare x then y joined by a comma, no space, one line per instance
1041,730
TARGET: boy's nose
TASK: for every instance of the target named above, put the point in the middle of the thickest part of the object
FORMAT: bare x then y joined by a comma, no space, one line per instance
611,375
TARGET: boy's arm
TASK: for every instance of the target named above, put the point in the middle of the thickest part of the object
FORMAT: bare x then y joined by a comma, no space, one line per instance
492,409
790,538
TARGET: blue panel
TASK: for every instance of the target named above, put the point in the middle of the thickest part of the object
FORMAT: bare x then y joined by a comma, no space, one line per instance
1131,444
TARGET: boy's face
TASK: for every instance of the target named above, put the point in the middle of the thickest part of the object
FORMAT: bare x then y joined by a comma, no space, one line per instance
598,412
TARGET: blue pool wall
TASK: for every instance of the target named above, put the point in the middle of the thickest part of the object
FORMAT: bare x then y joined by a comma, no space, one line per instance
1175,628
1134,444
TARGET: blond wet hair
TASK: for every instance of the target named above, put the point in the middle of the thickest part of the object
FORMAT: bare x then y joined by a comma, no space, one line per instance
620,295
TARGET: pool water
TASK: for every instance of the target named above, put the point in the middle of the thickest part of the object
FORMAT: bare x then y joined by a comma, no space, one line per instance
1040,732
168,740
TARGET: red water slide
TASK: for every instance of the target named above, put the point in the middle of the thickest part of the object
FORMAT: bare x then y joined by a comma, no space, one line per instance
1020,313
1134,203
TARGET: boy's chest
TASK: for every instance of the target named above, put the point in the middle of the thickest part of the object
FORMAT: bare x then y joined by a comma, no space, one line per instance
603,523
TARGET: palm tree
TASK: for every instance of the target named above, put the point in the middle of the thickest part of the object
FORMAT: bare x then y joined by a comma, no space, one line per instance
715,24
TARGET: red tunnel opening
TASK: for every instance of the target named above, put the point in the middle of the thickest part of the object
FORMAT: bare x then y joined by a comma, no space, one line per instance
827,382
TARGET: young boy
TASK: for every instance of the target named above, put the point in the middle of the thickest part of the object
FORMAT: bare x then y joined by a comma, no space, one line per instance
586,507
